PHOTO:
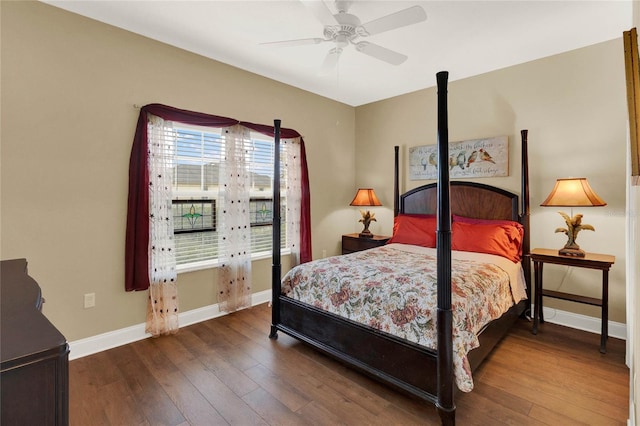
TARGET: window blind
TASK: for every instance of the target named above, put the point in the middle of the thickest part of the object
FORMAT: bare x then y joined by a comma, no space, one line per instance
195,188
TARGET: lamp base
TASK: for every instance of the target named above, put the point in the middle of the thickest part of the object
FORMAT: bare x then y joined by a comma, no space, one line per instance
571,252
365,234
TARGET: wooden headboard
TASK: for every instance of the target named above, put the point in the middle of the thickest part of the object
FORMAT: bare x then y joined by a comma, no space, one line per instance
468,199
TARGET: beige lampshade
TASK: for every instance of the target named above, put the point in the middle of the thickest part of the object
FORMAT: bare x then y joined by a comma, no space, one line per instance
365,197
573,192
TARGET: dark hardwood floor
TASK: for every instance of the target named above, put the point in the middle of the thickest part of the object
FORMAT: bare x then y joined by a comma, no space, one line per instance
227,371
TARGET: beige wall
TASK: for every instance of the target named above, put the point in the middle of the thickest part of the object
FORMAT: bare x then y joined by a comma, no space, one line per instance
68,89
574,106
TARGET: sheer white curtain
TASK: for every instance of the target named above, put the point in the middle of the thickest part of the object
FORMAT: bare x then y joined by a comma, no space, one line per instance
162,308
293,194
234,244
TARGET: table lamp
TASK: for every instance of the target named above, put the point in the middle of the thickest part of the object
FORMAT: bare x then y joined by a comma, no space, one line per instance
365,197
573,192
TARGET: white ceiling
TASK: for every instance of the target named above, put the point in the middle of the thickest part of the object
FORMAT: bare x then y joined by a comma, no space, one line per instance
466,38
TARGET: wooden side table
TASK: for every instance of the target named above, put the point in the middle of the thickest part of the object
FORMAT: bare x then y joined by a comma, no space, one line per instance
352,242
591,261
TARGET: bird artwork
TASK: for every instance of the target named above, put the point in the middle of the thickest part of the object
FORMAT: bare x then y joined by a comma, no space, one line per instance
458,160
488,157
484,156
472,158
452,162
461,160
574,226
432,160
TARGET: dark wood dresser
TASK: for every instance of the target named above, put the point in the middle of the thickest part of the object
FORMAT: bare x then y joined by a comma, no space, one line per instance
34,375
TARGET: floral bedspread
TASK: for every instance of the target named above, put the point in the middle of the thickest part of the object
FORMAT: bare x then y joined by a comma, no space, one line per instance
393,289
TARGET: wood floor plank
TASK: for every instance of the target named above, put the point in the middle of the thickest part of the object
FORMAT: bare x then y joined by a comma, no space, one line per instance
83,393
154,359
107,373
283,391
189,400
315,385
594,391
221,330
197,347
575,383
492,395
119,405
560,401
492,411
227,371
550,417
149,394
174,349
321,375
186,397
232,408
319,415
379,392
573,361
271,409
191,341
233,378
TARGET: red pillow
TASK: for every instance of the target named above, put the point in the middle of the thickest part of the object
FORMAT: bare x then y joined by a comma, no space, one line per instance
476,221
419,230
502,239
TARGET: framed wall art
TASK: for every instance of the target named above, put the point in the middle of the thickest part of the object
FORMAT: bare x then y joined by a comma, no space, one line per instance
476,158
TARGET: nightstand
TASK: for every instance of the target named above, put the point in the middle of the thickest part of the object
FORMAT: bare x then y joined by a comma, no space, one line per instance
352,242
591,261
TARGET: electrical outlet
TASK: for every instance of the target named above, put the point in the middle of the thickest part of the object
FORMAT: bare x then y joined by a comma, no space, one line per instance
89,300
324,253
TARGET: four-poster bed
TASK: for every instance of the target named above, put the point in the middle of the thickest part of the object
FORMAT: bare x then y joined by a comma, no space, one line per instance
399,361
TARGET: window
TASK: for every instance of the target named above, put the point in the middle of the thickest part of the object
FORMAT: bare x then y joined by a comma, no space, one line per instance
196,166
173,160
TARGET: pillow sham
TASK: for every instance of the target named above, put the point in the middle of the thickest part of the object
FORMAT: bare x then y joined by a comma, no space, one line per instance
502,239
416,229
473,220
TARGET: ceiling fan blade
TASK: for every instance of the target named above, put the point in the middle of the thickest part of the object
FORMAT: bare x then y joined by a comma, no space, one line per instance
298,42
330,61
320,11
382,53
405,17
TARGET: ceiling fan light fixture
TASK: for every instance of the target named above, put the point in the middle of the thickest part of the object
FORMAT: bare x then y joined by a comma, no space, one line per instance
342,41
344,28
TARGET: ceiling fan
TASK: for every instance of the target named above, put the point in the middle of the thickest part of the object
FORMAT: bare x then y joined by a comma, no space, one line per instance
344,29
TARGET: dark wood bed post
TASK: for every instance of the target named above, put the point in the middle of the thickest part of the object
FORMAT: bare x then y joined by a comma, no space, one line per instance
444,404
396,181
276,265
524,215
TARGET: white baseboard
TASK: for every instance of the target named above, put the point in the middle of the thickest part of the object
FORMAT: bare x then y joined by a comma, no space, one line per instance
583,322
112,339
102,342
